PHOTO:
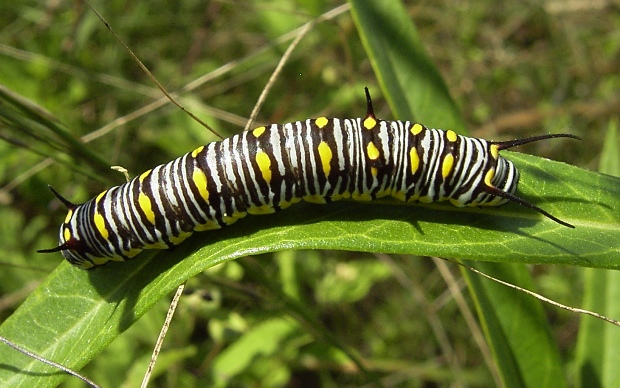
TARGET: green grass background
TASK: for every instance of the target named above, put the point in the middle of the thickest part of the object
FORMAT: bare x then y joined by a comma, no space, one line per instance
303,317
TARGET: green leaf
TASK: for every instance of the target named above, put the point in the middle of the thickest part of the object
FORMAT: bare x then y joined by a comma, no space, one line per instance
412,84
34,125
265,338
350,282
596,355
406,72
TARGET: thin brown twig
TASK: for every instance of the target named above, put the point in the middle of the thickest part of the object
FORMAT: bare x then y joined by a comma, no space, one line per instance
48,362
544,298
162,335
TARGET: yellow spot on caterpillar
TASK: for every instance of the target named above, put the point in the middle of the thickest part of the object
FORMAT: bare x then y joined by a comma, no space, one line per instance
321,122
67,234
316,198
197,151
156,245
100,224
369,122
264,164
336,197
98,219
85,265
229,220
488,177
325,153
416,129
451,135
400,195
447,165
132,252
262,209
284,203
494,151
176,240
414,160
382,193
374,171
339,196
456,202
200,180
100,196
144,175
69,216
145,205
372,151
210,225
361,196
413,198
258,131
102,260
425,199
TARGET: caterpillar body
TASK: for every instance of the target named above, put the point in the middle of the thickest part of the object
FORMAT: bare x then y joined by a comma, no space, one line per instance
269,168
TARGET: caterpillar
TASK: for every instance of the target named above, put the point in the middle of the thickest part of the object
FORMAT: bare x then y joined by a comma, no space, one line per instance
272,167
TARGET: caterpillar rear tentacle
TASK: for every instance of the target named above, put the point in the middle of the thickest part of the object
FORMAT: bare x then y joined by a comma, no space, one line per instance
269,168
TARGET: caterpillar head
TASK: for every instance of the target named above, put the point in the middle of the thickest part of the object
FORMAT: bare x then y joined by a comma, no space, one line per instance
498,173
71,243
501,180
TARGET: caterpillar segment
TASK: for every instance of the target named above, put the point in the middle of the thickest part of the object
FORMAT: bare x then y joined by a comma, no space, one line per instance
272,167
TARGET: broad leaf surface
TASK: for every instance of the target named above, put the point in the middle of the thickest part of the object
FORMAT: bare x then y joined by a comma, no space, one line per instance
596,355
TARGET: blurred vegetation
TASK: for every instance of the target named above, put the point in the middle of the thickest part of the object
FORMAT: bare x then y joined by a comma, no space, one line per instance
515,69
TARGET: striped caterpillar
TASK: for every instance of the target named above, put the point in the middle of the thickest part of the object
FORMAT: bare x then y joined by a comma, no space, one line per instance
272,167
